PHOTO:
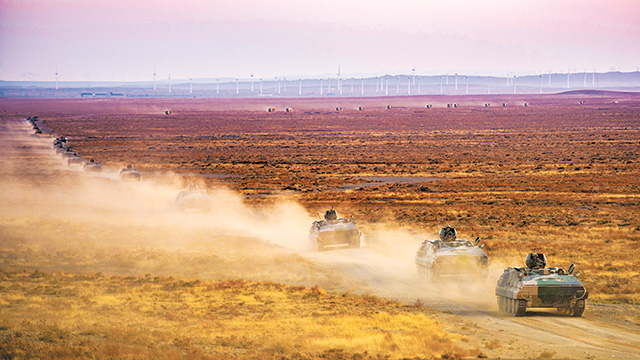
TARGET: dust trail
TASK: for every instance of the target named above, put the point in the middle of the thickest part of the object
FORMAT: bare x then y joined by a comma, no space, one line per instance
68,206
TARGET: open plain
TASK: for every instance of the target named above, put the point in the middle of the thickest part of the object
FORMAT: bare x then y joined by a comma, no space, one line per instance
94,267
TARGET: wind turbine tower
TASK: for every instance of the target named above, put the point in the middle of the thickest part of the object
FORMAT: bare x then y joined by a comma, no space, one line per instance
361,86
252,83
321,89
218,86
169,83
441,78
56,78
154,78
540,83
456,81
467,84
408,85
413,73
260,85
237,86
515,78
300,87
190,85
284,82
568,77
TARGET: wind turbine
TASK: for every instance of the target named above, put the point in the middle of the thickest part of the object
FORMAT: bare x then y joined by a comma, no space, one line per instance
409,85
300,86
540,83
467,83
260,85
419,91
361,86
515,78
397,84
218,86
339,78
585,78
190,85
154,78
56,78
252,83
413,73
387,87
568,77
237,86
593,79
321,86
456,81
284,82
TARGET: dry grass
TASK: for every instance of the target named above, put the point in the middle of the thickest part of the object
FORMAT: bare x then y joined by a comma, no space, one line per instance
61,315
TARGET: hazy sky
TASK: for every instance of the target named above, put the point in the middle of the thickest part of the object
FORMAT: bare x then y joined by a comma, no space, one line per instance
125,39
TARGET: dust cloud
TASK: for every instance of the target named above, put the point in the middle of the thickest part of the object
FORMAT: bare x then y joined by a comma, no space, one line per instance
56,217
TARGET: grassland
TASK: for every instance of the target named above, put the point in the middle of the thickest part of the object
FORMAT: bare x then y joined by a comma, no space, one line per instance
44,315
92,268
555,177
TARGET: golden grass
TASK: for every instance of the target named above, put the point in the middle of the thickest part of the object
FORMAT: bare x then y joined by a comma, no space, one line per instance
92,316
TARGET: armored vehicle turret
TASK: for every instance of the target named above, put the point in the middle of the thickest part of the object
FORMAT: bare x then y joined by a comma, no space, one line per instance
334,231
538,286
451,256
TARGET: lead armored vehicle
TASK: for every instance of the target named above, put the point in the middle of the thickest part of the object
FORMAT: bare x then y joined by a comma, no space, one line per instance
450,256
334,232
194,199
130,174
538,286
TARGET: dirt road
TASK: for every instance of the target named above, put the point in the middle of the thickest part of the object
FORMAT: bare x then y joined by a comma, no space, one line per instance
65,219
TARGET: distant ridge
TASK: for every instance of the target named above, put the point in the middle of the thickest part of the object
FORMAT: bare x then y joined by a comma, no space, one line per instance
598,92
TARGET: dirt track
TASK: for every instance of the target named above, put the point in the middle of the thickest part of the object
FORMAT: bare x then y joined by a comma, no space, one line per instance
31,184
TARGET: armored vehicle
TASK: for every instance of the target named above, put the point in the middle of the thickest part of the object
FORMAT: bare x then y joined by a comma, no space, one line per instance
194,199
74,159
451,256
92,166
538,286
130,174
334,231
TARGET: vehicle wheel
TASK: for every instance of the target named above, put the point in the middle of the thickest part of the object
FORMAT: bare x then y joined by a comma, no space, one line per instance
520,307
578,308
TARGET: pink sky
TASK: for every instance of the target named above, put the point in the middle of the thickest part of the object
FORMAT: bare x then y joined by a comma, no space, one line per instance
124,40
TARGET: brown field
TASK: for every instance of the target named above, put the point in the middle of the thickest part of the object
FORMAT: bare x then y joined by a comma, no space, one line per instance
554,177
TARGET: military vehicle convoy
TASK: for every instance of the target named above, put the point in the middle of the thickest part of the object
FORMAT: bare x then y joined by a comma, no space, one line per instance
130,174
193,199
334,232
538,286
451,256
